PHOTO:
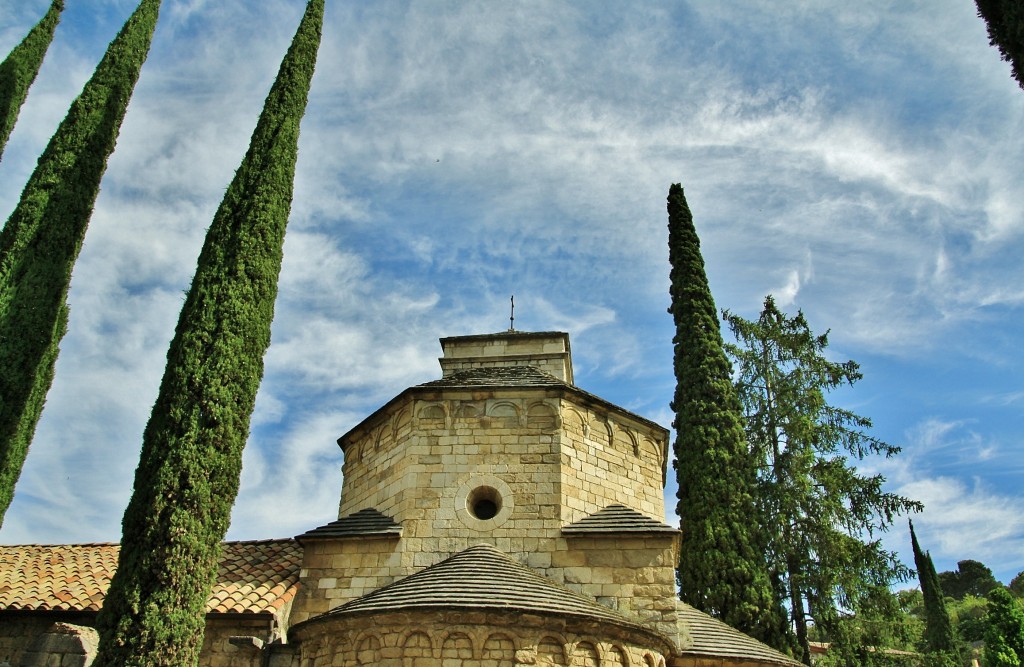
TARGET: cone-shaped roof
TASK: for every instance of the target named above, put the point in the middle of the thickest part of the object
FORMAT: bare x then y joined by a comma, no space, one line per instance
481,578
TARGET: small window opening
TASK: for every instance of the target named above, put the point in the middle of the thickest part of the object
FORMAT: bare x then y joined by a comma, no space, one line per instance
484,503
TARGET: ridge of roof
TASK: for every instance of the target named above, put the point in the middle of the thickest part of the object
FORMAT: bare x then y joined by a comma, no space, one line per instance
712,637
253,576
617,518
366,522
482,577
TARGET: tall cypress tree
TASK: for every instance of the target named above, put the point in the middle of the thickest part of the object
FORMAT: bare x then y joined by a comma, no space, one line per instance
722,569
188,473
42,238
19,69
1005,21
938,630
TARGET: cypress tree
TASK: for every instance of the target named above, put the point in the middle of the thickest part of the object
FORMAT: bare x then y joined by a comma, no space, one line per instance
42,238
189,469
1005,22
19,69
722,569
938,630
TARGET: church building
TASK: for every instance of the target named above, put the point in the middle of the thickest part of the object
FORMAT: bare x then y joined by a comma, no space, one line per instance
499,515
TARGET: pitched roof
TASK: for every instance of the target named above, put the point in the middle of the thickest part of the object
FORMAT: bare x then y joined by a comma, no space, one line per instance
481,577
616,519
367,522
498,376
253,577
712,637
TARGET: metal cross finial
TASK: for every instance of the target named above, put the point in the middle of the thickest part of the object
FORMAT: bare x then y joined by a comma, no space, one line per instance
512,318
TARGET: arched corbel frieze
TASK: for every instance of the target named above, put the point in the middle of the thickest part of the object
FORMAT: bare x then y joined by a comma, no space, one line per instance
552,651
543,416
457,646
402,418
508,412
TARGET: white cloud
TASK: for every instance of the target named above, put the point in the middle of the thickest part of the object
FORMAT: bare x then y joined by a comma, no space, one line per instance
968,513
854,161
969,521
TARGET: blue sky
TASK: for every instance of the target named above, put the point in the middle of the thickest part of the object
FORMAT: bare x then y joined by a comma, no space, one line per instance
860,162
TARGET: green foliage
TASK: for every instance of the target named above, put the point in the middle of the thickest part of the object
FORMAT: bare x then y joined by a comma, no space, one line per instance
1005,21
970,617
871,638
1016,585
721,566
939,635
970,578
43,236
815,506
19,69
191,460
1004,638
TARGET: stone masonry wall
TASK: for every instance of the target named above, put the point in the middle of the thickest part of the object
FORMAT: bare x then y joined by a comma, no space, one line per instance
549,353
547,461
218,651
633,575
336,571
464,639
606,459
20,636
456,444
16,633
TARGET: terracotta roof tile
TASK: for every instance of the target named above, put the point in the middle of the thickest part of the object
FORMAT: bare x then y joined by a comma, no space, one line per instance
253,577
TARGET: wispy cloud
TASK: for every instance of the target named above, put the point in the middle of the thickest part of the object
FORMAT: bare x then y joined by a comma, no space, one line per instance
967,514
852,161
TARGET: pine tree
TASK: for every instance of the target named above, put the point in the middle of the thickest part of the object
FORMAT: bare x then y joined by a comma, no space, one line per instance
721,565
938,634
1005,21
1004,638
42,238
189,470
19,69
813,503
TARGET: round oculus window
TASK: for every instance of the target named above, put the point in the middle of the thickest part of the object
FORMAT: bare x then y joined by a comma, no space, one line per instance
484,502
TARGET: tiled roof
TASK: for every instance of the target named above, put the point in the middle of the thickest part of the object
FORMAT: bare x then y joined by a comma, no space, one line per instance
712,637
481,577
616,519
498,376
365,523
253,577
